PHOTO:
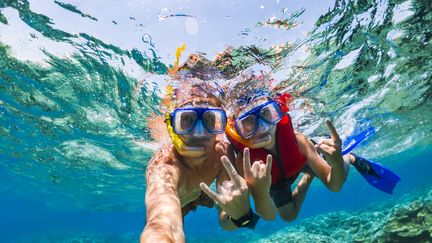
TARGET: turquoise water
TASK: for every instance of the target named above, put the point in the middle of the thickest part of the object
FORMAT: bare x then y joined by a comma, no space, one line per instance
76,93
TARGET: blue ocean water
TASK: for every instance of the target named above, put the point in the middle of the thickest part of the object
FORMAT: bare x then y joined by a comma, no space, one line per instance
76,96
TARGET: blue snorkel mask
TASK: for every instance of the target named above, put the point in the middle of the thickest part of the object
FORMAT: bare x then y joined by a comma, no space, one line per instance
246,124
183,120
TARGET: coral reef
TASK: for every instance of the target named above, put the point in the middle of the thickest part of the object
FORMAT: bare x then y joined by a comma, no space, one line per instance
408,221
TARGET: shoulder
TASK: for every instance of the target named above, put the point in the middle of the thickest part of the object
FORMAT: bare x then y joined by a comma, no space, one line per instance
299,137
165,160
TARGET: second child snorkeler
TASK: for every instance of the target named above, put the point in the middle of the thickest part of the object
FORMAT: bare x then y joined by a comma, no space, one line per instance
258,122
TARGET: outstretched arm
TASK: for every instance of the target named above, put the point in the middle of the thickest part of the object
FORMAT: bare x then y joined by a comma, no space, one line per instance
164,217
331,172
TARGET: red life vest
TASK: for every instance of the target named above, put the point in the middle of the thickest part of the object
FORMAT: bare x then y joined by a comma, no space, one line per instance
291,161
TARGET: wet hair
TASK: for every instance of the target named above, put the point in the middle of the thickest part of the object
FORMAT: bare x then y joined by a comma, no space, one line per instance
194,101
197,66
246,106
245,88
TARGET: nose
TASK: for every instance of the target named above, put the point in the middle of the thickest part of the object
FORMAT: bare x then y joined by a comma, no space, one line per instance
263,126
199,130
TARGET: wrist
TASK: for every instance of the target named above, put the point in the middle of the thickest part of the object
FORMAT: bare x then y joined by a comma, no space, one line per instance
240,214
260,194
249,220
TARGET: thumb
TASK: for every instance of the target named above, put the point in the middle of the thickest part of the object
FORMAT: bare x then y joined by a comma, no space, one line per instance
213,195
319,149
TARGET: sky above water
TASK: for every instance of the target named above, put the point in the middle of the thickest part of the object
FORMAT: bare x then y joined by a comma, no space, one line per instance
214,25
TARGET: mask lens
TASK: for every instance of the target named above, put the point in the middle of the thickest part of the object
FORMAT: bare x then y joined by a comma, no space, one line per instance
214,121
184,121
247,125
271,113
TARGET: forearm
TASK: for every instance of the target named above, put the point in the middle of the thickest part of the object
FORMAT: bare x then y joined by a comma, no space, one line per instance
164,218
163,209
264,206
336,177
299,193
159,233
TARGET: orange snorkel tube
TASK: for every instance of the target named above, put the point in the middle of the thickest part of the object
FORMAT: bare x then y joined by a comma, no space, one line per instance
230,130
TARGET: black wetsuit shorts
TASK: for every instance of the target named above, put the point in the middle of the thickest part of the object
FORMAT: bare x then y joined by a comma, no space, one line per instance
281,191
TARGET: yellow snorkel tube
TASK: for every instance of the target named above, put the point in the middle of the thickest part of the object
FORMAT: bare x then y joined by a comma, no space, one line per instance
179,145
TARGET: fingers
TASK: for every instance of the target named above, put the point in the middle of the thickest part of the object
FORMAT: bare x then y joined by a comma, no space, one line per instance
213,195
325,149
333,132
256,167
232,172
246,163
328,142
269,163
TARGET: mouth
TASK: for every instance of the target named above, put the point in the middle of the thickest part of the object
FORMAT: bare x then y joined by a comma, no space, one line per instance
194,147
261,135
194,152
264,138
198,144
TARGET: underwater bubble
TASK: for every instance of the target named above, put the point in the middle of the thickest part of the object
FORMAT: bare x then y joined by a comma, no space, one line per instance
150,53
163,14
146,38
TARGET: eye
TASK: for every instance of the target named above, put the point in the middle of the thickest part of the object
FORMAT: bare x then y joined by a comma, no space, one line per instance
186,122
266,113
210,119
248,121
186,119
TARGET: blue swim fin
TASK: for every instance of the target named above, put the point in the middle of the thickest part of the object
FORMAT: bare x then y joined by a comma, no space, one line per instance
376,174
352,141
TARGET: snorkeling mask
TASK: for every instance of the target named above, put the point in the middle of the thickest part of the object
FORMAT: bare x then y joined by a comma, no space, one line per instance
246,125
183,120
214,120
272,114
